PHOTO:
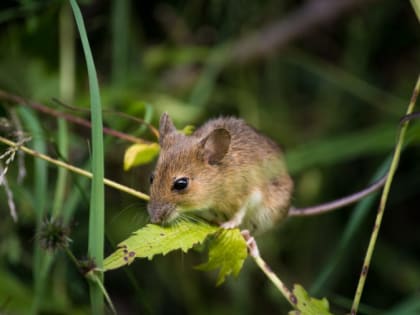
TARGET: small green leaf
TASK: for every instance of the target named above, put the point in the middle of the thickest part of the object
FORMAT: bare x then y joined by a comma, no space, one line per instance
227,253
155,239
139,154
307,305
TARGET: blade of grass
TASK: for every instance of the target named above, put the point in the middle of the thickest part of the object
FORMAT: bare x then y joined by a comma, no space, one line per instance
382,204
67,83
33,126
96,214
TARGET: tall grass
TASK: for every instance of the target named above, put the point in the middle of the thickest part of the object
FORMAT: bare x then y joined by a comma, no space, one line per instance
96,211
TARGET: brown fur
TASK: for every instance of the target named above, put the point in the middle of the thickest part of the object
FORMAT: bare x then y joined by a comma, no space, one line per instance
229,165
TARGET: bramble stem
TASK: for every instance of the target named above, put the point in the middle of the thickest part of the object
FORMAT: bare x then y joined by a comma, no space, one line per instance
255,254
384,197
74,169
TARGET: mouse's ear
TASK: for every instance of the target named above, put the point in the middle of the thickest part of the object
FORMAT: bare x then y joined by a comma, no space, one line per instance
215,146
166,126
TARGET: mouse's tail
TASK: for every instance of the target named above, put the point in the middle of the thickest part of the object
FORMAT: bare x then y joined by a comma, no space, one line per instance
338,203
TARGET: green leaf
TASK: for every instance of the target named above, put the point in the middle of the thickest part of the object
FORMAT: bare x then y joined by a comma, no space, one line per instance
139,154
154,239
307,305
227,253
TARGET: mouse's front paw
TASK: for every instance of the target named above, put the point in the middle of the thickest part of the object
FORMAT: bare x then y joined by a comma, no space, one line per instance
231,224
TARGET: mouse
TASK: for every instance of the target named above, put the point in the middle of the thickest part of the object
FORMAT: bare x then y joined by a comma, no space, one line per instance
228,173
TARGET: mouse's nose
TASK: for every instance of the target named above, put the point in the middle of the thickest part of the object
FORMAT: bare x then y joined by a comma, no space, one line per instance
156,218
159,212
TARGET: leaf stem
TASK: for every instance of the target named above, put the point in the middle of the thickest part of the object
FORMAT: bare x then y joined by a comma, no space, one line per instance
384,198
75,169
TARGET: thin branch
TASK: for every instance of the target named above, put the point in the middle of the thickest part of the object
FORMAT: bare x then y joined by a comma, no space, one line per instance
75,169
73,119
291,298
113,112
254,252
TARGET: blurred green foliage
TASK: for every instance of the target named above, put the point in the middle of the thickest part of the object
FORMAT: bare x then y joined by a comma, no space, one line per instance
332,97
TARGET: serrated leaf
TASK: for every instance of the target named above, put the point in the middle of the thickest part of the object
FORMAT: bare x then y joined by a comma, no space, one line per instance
227,253
139,154
155,239
307,305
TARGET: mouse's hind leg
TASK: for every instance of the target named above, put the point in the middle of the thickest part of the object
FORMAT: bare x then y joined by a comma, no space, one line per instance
250,205
274,206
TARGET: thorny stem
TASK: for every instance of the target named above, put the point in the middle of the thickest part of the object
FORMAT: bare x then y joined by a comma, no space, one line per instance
255,254
384,197
75,169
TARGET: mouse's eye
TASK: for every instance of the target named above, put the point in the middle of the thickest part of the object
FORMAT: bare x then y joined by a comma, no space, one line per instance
180,183
151,178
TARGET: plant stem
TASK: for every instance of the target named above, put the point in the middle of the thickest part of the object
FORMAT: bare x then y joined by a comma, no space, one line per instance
255,254
384,198
73,119
275,280
75,169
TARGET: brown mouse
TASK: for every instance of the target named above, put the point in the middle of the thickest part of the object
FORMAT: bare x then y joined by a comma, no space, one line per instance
228,173
225,172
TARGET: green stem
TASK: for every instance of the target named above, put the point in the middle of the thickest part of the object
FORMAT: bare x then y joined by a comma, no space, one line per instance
384,198
72,257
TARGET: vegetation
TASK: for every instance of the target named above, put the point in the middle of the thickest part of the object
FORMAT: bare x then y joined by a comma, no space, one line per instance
328,80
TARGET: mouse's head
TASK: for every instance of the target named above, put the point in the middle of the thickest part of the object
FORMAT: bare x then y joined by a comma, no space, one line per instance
187,174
